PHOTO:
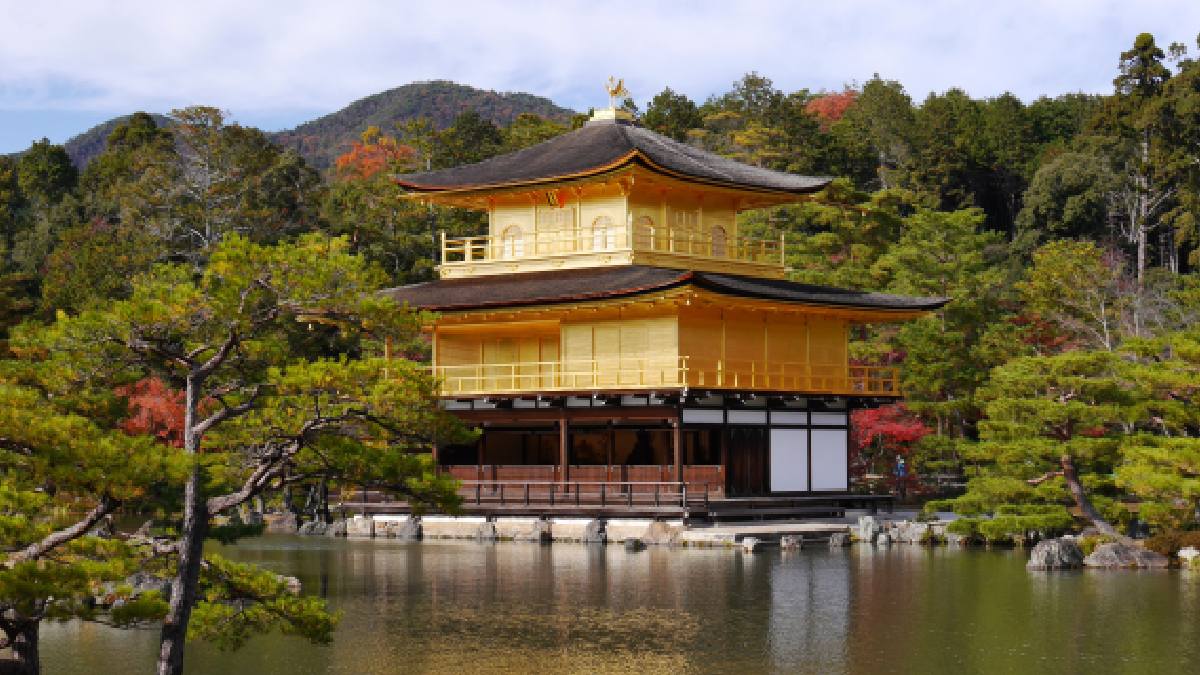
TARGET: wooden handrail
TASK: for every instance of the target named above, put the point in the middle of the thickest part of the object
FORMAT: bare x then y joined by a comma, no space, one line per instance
657,373
661,239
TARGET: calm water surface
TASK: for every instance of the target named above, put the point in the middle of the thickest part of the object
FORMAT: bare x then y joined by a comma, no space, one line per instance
523,608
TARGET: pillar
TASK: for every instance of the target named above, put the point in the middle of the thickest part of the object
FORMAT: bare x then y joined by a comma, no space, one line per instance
564,467
677,446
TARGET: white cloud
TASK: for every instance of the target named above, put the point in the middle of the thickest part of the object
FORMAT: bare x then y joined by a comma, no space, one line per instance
319,55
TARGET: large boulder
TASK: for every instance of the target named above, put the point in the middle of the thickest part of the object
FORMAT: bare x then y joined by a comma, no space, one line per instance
313,528
867,529
910,532
408,527
1055,554
1189,557
1122,555
791,542
751,545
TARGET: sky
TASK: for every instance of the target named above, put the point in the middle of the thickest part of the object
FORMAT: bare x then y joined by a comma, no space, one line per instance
66,65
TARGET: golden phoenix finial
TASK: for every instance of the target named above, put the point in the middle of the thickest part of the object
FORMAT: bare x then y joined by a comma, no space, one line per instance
616,89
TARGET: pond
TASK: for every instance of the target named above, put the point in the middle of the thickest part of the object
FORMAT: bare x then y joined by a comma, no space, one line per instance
459,607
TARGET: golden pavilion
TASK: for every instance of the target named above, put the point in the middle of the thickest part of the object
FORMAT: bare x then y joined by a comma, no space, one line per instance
622,346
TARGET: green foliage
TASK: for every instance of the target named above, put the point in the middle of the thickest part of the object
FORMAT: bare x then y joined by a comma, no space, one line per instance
672,115
1097,313
240,601
1169,542
96,262
45,173
1088,544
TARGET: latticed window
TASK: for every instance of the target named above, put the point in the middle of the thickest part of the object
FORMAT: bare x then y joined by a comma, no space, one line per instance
718,242
643,233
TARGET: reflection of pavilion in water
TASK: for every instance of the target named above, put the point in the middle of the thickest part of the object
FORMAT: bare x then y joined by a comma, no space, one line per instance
458,607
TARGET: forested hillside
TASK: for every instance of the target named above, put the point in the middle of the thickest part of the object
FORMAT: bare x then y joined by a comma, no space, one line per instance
323,139
86,146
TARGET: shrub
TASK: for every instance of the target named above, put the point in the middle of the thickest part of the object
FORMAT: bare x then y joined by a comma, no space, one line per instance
967,527
1089,543
1170,541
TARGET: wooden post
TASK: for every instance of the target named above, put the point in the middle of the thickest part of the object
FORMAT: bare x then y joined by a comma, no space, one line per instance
479,455
677,446
563,449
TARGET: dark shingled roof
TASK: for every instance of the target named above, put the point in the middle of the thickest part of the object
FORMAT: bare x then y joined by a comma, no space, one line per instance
545,288
602,146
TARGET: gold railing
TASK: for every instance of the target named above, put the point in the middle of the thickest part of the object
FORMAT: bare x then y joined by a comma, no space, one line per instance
665,373
655,239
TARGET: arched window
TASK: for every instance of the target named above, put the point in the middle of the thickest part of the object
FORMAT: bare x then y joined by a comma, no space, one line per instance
718,242
512,242
604,234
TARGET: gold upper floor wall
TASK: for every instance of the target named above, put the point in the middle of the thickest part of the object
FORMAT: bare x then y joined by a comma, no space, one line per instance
630,217
657,346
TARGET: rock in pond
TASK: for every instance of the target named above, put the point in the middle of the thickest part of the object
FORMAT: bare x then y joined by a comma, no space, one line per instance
1188,555
791,542
909,532
867,528
402,528
839,539
313,528
1121,555
634,545
1055,554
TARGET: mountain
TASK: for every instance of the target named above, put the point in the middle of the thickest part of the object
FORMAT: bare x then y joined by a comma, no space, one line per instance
85,146
323,139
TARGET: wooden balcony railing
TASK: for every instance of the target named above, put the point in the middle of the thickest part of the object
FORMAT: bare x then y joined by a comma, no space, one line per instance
665,373
553,243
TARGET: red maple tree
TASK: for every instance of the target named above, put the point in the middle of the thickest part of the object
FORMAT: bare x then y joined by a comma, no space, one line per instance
155,410
830,108
374,153
879,435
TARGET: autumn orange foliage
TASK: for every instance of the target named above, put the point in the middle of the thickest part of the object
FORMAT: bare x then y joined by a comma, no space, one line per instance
830,108
155,410
374,153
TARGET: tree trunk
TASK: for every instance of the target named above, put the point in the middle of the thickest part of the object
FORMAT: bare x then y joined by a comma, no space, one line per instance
1081,500
191,550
